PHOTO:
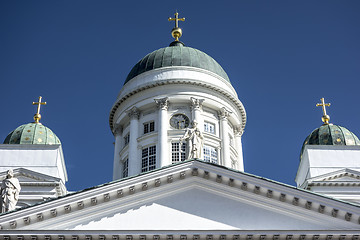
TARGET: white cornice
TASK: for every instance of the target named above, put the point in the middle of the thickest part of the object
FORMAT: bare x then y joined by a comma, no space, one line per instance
218,177
181,235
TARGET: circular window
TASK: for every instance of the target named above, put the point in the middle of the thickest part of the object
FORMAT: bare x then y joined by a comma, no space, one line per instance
179,121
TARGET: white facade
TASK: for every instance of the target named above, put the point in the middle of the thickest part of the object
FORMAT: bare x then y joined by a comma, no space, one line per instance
39,168
192,199
331,170
157,95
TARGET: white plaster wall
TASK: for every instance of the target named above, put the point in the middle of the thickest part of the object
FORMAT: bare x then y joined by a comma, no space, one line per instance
197,209
321,159
45,159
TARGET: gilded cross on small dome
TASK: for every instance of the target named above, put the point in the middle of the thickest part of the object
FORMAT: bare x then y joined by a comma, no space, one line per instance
37,115
176,32
325,118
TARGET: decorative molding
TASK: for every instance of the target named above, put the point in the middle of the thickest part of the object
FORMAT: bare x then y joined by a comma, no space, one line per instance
234,99
80,205
170,179
120,193
224,113
67,208
282,197
238,131
26,220
106,197
313,205
93,201
40,216
348,216
133,113
231,182
218,178
13,224
144,186
162,103
53,212
196,103
157,182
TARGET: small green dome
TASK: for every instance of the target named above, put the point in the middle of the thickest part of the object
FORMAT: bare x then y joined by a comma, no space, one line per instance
32,133
177,54
330,134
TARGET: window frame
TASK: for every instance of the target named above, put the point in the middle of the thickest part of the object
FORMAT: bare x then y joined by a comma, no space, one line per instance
212,155
125,169
178,154
149,127
207,129
148,158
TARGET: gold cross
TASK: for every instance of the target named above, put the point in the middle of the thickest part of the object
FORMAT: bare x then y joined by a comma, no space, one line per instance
37,115
176,19
325,118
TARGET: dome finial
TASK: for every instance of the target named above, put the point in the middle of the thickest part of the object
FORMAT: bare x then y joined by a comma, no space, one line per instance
37,115
176,32
325,118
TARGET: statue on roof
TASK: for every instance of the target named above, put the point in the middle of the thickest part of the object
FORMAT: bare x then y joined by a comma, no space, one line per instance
10,190
195,138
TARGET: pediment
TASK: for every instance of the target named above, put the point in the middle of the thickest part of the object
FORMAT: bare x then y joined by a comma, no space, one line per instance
188,196
26,175
343,175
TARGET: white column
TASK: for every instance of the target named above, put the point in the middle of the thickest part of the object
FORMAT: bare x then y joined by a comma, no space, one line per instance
134,159
238,131
163,158
117,148
224,134
196,106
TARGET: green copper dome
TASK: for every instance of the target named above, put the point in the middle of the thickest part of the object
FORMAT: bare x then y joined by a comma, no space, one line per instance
176,55
32,133
329,134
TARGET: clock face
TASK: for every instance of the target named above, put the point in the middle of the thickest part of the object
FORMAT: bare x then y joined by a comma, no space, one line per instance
179,121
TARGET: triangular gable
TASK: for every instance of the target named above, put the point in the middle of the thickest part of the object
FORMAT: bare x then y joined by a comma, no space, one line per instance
23,174
344,175
189,196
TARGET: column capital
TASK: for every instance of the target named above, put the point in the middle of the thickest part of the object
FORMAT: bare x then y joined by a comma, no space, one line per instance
133,113
238,131
196,103
162,103
224,113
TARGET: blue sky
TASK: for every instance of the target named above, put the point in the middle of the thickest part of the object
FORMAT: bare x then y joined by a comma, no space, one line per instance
281,57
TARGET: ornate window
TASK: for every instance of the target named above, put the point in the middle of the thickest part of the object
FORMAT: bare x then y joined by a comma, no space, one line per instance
209,127
210,154
126,139
178,152
148,159
125,172
149,127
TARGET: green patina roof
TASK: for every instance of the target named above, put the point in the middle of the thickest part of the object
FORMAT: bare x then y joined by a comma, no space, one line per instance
176,55
329,134
32,133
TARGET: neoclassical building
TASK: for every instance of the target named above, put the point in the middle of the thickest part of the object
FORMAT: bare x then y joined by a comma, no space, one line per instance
160,191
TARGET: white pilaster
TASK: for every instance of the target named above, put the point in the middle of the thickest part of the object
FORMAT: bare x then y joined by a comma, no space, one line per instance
196,106
134,159
238,145
224,134
163,158
117,148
